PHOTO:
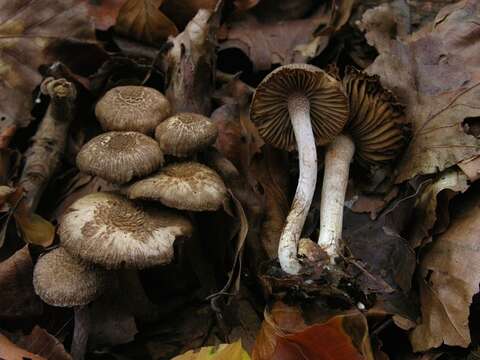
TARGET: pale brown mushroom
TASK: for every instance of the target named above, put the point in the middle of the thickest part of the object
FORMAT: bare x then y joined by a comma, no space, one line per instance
185,134
61,280
119,157
132,108
375,134
186,186
299,105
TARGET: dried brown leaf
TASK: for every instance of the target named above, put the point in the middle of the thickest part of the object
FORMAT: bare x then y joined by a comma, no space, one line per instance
181,12
18,298
449,277
282,42
471,168
34,33
449,183
104,12
144,21
44,344
10,351
437,76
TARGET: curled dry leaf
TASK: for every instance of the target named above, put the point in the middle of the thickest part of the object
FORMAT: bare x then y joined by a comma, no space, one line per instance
437,77
283,42
434,198
284,335
32,34
449,277
18,298
10,351
144,21
44,344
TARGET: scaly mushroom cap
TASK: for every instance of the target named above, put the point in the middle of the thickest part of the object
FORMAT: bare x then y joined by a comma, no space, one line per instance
377,123
185,186
61,280
328,104
184,134
134,108
120,156
112,231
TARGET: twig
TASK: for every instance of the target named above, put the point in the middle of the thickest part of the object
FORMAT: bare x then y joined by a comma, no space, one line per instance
44,155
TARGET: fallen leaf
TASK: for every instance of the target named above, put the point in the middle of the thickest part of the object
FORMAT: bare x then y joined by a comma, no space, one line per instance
18,298
222,352
35,229
435,74
44,344
471,168
434,197
449,277
144,21
104,12
35,33
10,351
283,42
285,336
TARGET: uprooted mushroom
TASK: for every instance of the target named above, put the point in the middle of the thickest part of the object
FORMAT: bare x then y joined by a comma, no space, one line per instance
299,106
375,134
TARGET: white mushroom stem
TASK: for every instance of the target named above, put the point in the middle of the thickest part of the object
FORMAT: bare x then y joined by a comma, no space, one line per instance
81,329
299,109
335,180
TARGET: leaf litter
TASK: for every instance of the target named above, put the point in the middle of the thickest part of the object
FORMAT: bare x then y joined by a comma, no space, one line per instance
405,286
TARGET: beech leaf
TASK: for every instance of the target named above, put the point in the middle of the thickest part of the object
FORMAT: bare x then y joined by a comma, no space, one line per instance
449,274
31,34
144,21
222,352
435,74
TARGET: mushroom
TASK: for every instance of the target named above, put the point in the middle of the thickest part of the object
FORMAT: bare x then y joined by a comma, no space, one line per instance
186,186
185,134
61,280
135,108
299,105
120,156
375,134
109,230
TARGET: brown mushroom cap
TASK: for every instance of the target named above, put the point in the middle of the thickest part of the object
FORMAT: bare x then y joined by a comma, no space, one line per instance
328,104
134,108
61,280
120,156
185,186
112,231
377,123
184,134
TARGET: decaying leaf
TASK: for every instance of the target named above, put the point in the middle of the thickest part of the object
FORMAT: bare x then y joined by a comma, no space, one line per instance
181,12
282,42
471,168
36,33
143,21
18,298
35,229
104,12
448,184
40,342
222,352
449,277
437,77
284,335
10,351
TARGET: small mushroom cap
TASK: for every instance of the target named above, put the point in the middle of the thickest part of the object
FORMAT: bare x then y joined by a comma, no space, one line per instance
109,230
120,156
62,280
184,134
185,186
328,104
377,123
134,108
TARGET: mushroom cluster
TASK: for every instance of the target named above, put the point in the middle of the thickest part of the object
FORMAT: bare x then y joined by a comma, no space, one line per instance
301,106
136,226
